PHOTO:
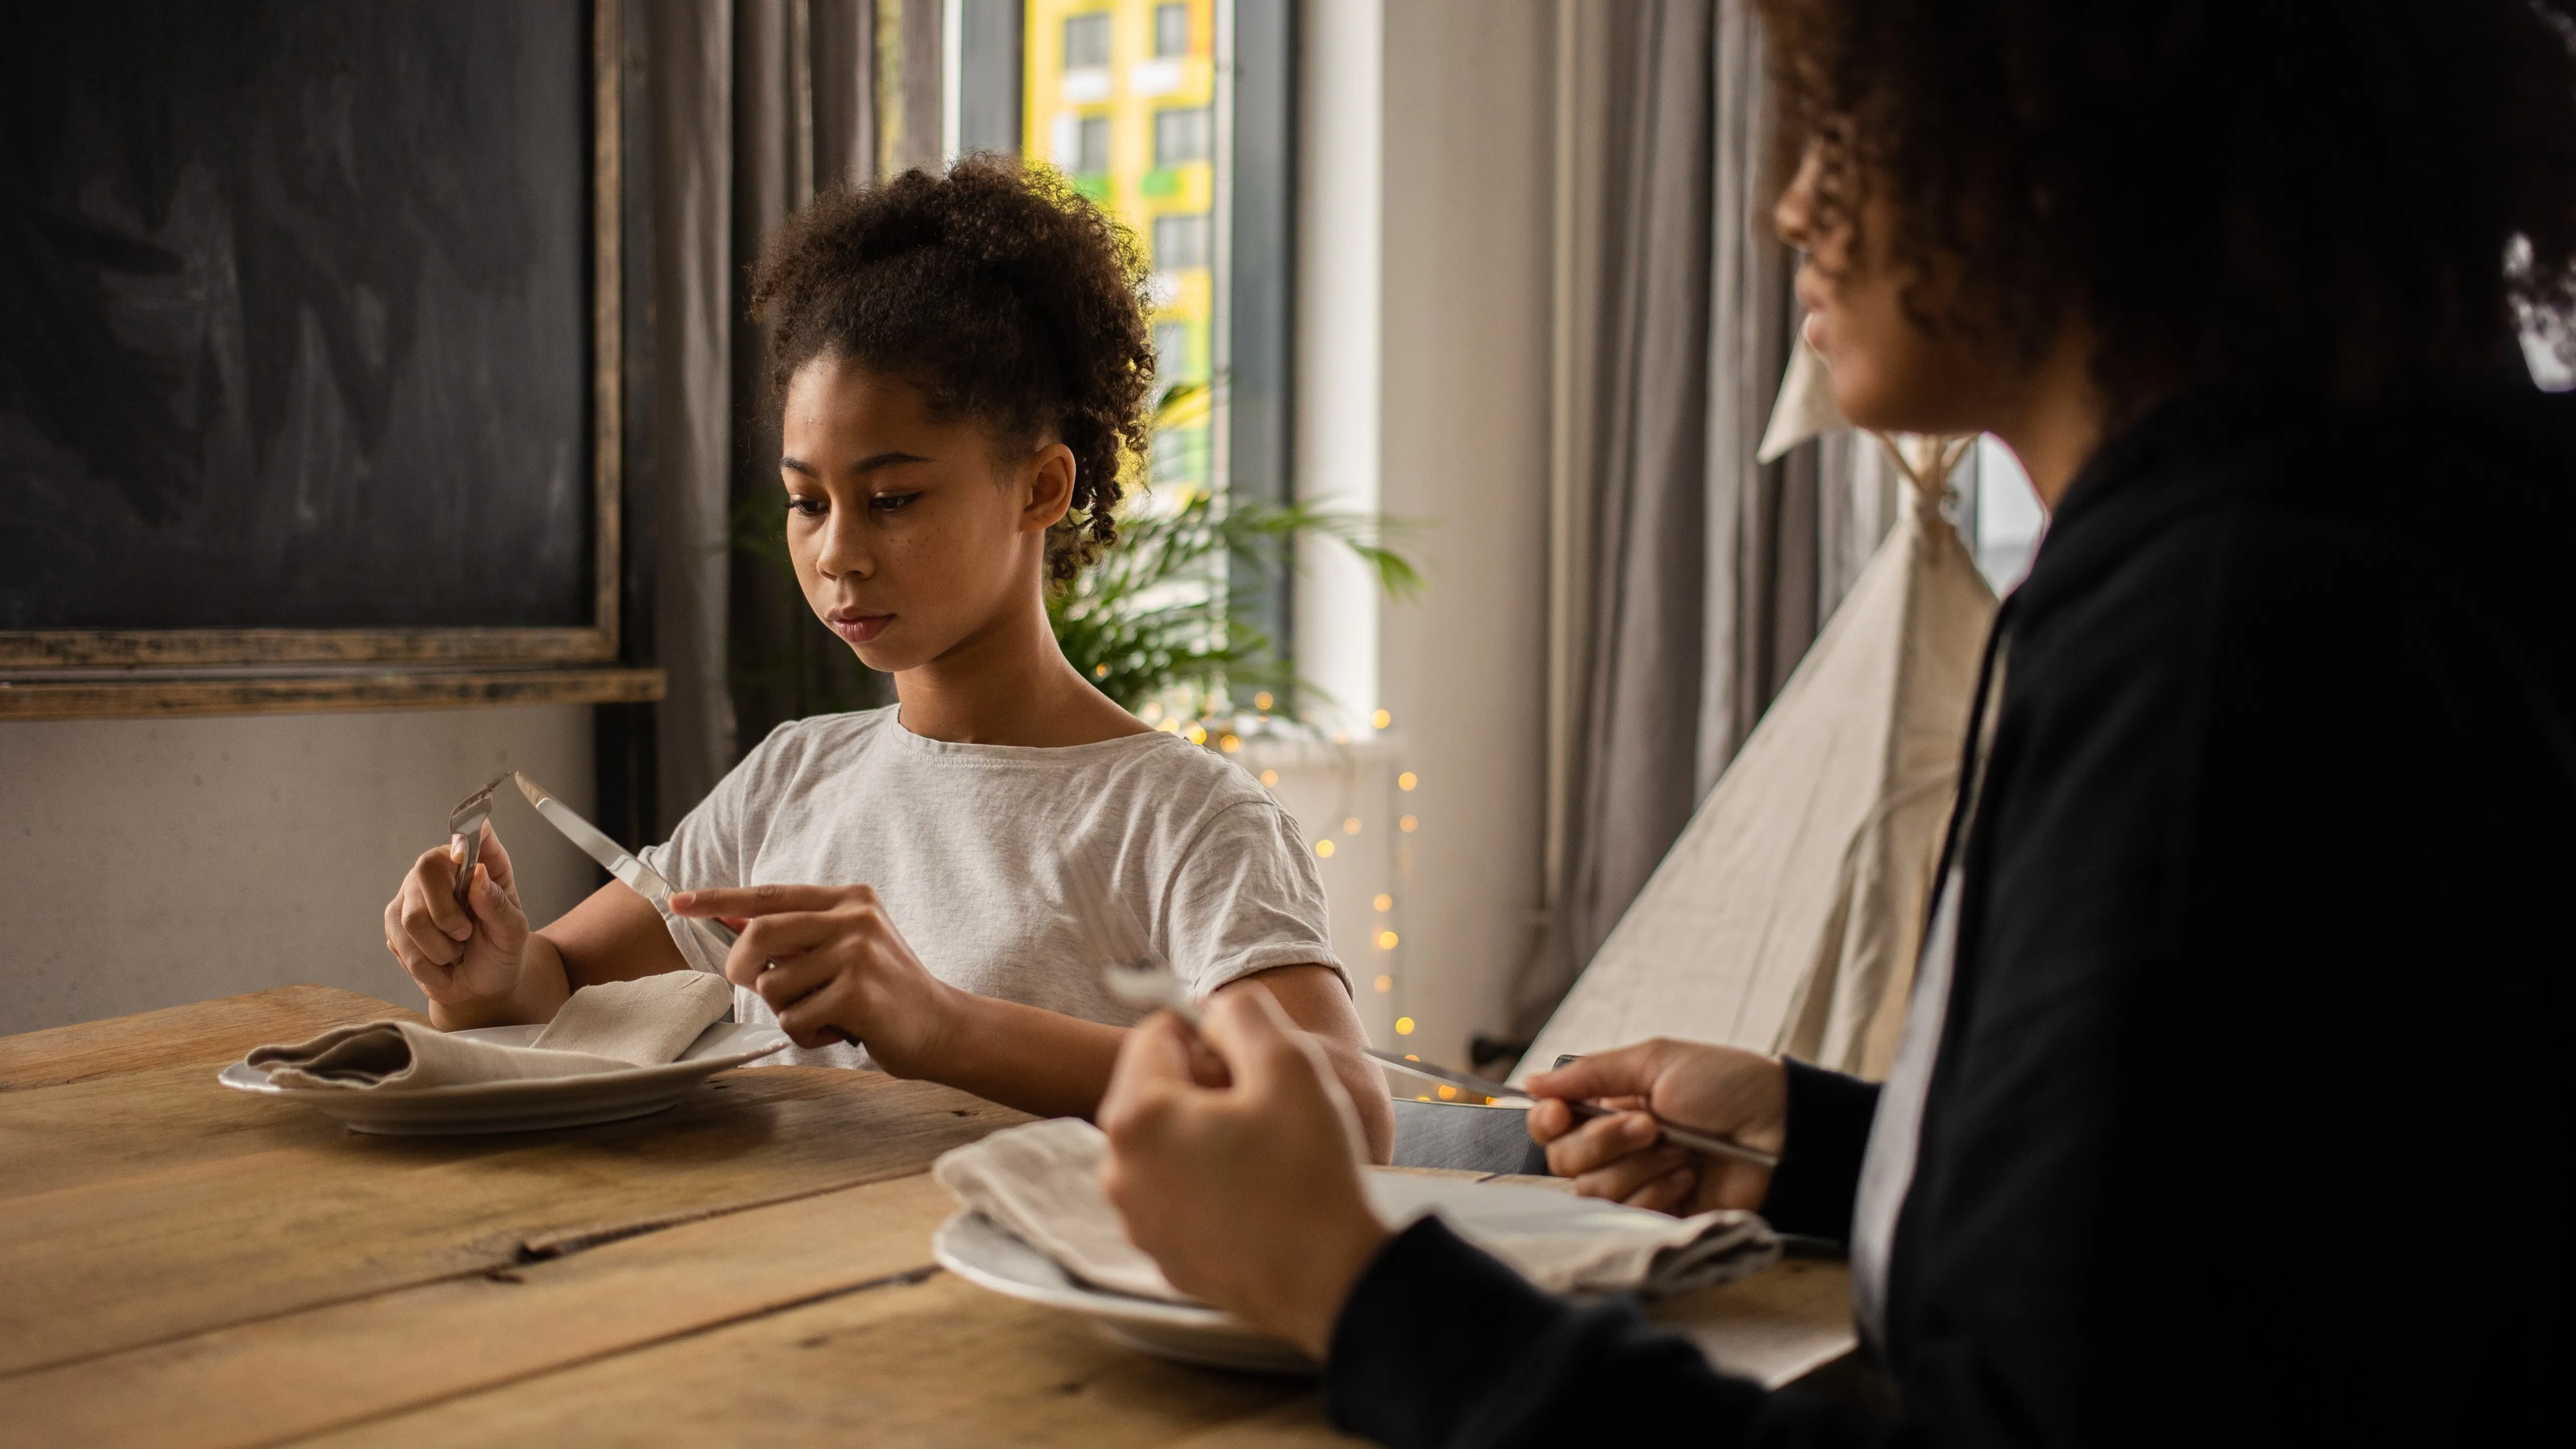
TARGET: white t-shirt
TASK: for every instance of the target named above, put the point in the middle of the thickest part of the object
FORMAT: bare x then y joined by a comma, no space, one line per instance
1014,872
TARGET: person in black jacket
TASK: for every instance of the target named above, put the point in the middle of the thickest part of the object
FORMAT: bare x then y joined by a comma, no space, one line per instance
2230,1104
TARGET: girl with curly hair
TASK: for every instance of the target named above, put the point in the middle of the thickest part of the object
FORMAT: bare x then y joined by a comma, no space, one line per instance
2231,1108
932,888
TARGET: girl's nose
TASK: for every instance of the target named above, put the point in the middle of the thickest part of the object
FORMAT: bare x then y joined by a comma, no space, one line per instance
844,550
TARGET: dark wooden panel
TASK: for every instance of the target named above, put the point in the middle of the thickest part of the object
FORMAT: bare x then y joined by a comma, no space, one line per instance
297,318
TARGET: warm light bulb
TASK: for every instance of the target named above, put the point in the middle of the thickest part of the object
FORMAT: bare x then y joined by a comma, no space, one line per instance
1384,902
1270,778
1198,734
1406,781
1100,671
1230,743
1448,1093
1261,700
1351,826
1384,985
1408,824
1324,848
1381,719
1404,1027
1410,1057
1386,940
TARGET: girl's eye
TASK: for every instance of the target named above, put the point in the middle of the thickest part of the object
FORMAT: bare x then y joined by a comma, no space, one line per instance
891,502
808,507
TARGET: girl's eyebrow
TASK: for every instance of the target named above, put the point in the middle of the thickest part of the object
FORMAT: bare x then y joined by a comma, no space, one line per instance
865,465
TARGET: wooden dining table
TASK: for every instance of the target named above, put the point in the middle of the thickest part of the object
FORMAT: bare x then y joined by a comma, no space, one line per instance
185,1265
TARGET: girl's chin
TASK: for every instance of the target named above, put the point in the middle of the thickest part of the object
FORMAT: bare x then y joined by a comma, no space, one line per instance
876,654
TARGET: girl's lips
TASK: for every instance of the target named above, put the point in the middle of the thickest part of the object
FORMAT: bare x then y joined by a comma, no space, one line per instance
859,628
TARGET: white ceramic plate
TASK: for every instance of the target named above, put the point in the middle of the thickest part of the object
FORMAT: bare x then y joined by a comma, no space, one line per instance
981,1251
525,1106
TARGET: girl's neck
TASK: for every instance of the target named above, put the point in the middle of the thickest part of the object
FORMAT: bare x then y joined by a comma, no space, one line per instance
2060,418
1009,684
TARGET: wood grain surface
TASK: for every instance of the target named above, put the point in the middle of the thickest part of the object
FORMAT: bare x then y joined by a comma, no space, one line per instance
187,1267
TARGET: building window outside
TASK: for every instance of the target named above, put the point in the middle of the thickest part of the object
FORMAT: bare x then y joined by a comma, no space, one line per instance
1181,243
1086,40
1091,147
1127,108
1172,360
1171,30
1183,134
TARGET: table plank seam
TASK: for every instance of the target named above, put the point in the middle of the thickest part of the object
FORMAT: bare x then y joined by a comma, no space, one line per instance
903,1278
525,1253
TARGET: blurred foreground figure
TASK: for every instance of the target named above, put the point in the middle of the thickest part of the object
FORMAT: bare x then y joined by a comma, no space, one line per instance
2228,1108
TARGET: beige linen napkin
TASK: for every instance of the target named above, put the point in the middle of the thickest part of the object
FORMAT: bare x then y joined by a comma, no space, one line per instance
611,1027
1041,1183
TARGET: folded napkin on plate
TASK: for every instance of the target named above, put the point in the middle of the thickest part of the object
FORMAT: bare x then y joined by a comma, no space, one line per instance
1042,1184
611,1027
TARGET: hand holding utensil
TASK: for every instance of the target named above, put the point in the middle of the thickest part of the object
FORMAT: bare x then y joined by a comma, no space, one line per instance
1150,985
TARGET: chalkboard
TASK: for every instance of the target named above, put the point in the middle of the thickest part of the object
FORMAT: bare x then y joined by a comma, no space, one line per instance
302,329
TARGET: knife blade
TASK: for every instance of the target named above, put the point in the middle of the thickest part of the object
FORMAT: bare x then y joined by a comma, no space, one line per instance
634,874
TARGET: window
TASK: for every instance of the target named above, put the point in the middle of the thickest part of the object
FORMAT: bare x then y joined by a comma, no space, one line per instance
1086,40
1181,242
1172,353
1091,146
2001,516
1183,133
1129,107
1171,30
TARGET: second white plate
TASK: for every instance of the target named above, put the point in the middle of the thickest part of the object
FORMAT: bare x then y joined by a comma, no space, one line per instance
981,1251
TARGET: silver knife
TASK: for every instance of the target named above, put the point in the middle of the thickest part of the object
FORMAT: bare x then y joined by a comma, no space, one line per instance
634,874
1151,984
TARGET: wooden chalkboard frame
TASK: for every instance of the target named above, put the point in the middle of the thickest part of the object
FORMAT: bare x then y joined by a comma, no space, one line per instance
57,673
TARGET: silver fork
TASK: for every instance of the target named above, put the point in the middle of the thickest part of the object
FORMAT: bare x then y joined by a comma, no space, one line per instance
465,823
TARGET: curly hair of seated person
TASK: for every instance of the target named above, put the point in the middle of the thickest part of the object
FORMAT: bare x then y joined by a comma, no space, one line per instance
999,291
2334,200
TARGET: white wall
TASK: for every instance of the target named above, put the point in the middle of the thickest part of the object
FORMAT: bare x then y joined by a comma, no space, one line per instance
1423,385
148,863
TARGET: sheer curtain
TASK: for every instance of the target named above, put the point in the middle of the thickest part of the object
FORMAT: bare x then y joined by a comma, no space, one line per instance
1688,579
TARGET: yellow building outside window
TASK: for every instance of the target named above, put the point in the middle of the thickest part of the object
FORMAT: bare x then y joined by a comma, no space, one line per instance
1121,96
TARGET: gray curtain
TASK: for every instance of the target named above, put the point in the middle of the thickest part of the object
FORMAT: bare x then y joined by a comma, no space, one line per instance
691,97
1697,577
755,105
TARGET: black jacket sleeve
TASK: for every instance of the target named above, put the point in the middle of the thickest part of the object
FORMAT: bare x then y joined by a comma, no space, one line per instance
1442,1347
1819,1172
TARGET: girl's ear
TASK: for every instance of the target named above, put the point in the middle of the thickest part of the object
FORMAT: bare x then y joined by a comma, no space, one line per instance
1050,489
